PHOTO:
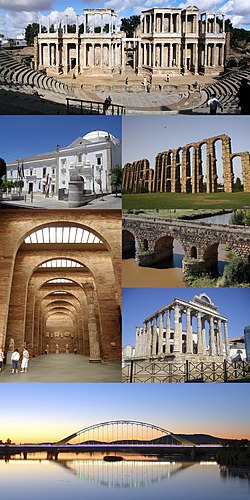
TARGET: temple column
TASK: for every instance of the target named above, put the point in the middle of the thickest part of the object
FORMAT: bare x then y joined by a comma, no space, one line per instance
171,55
160,343
214,55
189,338
137,342
203,334
40,54
149,336
199,338
144,343
167,347
226,338
154,339
49,54
66,24
57,54
94,346
212,340
176,329
219,335
162,55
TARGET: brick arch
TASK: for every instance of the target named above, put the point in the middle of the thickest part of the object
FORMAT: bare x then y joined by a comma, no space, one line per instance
129,241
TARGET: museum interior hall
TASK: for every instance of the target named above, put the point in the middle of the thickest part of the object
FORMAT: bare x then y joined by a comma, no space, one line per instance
61,290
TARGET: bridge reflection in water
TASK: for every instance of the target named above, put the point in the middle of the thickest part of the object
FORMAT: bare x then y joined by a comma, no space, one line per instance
124,474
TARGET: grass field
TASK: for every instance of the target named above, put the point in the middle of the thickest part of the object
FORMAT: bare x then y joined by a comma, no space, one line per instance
182,200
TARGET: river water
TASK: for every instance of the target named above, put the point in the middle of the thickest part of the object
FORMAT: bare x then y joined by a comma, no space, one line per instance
135,478
169,273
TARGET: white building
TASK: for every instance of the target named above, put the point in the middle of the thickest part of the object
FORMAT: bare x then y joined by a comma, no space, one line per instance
92,156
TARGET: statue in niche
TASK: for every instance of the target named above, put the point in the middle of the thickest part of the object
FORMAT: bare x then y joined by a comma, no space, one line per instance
11,345
67,348
61,335
56,334
51,335
57,348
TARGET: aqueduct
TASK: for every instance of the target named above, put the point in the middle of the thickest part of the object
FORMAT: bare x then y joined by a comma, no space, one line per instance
189,169
61,283
152,241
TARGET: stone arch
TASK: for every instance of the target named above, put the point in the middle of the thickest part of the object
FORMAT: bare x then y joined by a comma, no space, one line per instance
193,252
232,62
145,244
210,255
128,243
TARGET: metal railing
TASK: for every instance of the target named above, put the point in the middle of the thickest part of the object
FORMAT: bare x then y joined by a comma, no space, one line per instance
82,107
185,371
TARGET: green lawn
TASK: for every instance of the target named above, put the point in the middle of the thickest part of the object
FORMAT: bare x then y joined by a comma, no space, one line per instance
179,200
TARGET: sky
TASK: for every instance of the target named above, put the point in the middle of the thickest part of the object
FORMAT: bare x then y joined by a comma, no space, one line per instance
146,136
139,303
15,15
24,136
50,412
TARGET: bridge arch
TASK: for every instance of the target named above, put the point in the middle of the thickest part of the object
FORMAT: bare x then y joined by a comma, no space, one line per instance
129,243
125,432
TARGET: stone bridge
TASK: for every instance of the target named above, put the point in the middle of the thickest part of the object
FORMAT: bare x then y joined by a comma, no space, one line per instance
152,241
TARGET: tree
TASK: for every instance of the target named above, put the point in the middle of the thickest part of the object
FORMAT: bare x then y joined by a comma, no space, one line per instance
116,177
31,31
240,217
2,169
237,273
237,185
129,25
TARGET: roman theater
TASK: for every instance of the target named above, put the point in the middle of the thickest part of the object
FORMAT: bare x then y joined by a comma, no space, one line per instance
61,284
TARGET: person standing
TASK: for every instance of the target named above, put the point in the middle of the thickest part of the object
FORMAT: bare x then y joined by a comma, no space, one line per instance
25,361
1,359
14,360
213,104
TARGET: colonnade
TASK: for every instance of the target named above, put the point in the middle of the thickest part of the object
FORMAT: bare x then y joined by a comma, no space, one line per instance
164,334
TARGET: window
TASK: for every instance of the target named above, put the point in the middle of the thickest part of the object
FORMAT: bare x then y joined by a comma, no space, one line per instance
31,171
44,171
80,158
53,171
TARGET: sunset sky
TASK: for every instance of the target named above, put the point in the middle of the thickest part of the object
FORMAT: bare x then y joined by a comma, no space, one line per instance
50,412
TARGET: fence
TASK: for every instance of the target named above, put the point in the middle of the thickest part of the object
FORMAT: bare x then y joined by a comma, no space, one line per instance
81,107
186,371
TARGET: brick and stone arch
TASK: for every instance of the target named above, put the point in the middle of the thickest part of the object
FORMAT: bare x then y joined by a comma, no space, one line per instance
204,238
184,330
187,168
26,303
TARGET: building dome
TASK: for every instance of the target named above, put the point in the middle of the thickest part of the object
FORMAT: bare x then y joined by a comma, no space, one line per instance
97,134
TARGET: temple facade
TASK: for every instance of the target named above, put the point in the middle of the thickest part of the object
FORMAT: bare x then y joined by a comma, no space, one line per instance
183,330
168,41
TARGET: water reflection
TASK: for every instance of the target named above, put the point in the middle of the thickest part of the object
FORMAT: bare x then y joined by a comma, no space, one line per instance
125,474
136,478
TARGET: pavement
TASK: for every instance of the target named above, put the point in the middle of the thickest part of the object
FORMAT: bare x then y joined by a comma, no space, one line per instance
64,368
109,201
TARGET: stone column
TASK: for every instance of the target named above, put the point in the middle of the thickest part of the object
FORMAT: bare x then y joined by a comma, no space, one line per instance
226,338
171,23
40,54
212,340
228,174
167,347
203,334
137,342
160,343
162,55
199,338
49,54
219,338
57,54
66,24
189,338
149,337
144,342
94,346
154,339
176,329
171,55
214,23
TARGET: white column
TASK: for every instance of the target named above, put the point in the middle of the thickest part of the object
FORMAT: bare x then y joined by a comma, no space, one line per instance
160,342
93,54
176,329
171,55
139,54
150,54
214,55
226,338
40,54
179,55
154,54
40,27
171,23
66,24
189,338
49,54
162,55
137,342
167,348
212,341
150,23
57,54
214,23
205,55
93,24
203,334
162,22
110,54
154,340
149,337
57,24
77,24
101,23
144,342
84,55
199,338
77,56
101,55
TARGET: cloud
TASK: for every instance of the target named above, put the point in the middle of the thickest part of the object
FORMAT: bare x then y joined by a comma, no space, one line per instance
237,11
26,5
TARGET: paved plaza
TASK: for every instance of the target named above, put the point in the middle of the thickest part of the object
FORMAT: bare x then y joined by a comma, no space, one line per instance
39,201
64,368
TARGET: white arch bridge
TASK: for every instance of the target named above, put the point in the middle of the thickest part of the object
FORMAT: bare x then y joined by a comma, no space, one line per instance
124,432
